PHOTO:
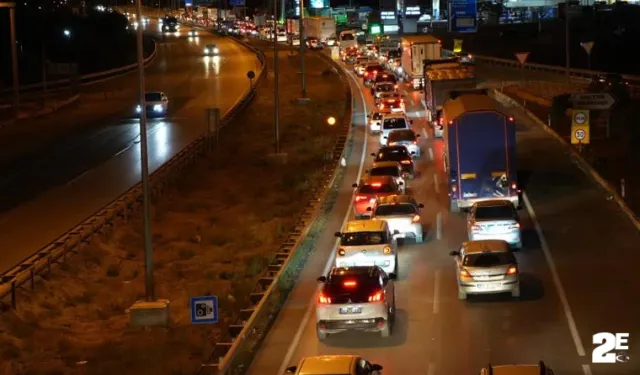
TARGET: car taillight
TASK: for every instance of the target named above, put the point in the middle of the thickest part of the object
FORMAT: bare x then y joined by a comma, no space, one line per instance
512,270
366,74
377,296
454,188
381,105
406,162
395,86
416,219
386,250
440,121
361,198
350,284
414,142
514,186
322,299
375,72
514,226
464,273
341,252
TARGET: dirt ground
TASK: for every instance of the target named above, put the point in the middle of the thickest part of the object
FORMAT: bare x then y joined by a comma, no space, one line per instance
213,233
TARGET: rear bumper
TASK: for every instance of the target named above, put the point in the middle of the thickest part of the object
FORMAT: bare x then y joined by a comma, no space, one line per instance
513,239
467,203
386,262
490,287
336,326
408,231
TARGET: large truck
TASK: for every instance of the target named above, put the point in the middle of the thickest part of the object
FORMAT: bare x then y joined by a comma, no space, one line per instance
348,39
323,28
415,50
480,150
440,78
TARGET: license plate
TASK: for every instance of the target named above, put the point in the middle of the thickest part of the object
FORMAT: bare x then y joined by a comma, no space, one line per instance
487,286
350,310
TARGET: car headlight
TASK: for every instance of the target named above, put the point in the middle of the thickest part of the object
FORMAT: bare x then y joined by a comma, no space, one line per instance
157,108
215,50
138,108
206,50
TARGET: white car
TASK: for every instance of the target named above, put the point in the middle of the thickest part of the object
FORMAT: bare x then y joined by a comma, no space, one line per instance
495,219
335,365
402,213
407,138
393,121
367,243
356,298
375,121
156,104
211,50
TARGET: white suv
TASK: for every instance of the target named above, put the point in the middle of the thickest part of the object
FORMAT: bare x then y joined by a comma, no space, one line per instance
356,298
393,121
367,243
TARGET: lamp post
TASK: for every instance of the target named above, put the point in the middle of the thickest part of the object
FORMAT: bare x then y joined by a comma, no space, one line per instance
144,161
566,42
14,55
276,90
302,48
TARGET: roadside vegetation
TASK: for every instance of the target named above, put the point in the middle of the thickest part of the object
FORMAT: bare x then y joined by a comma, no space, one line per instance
213,234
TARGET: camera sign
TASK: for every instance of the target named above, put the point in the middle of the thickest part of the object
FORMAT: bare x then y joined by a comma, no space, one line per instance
204,310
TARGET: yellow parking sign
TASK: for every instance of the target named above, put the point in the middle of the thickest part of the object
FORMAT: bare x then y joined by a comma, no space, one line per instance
580,127
457,45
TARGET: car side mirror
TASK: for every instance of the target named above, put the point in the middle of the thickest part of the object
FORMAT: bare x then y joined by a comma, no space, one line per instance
373,154
376,367
354,185
396,232
337,234
400,183
454,253
392,276
291,369
320,279
420,205
368,208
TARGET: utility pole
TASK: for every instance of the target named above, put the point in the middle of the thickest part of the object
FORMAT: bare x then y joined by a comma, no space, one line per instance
14,55
276,75
144,160
302,48
567,45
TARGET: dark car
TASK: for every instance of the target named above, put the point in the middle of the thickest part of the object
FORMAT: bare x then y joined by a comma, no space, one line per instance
396,153
613,83
371,72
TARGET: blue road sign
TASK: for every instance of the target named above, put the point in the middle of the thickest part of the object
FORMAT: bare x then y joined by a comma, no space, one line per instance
463,16
236,3
188,3
204,310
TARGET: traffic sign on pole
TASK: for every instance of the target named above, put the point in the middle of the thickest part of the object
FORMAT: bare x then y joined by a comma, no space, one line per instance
580,127
522,57
588,46
204,310
601,101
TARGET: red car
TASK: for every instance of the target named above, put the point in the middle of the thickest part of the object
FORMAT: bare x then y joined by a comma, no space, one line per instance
370,189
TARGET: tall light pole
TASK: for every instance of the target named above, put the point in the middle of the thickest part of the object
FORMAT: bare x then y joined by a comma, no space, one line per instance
276,76
144,161
302,47
567,45
14,54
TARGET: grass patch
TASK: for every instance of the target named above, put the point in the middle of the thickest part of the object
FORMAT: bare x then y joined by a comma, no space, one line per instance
214,233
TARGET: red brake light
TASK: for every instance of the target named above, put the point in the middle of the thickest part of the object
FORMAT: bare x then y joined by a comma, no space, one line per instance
376,185
366,74
377,297
465,273
416,219
511,119
350,284
324,299
512,270
360,198
406,162
395,86
440,120
375,72
514,186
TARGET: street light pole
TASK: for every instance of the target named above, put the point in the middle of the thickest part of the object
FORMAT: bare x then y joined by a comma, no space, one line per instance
566,42
302,48
276,75
144,160
14,54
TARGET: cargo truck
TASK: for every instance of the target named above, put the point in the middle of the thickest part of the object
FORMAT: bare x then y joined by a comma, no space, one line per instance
415,50
322,28
480,150
440,78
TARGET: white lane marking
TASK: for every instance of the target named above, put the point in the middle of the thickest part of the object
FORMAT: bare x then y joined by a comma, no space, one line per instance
436,292
586,369
430,153
305,320
556,279
425,133
439,226
436,185
78,177
431,369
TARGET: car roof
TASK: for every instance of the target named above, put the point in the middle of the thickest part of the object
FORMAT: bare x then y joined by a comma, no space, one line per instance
481,246
395,199
377,180
493,203
382,164
327,365
354,271
402,131
395,147
365,226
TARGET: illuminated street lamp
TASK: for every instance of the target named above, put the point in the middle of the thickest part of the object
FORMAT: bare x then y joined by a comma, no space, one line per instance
14,54
67,33
331,120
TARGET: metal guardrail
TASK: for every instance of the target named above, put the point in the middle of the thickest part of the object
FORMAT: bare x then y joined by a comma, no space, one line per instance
272,289
44,260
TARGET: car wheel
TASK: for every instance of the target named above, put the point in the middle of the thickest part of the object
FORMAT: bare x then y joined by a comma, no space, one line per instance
386,330
395,270
516,293
461,295
322,335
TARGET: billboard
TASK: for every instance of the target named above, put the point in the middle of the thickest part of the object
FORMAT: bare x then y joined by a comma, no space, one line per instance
463,16
319,4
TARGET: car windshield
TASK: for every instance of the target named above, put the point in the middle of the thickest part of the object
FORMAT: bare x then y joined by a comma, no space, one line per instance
401,135
394,123
495,213
152,97
376,189
211,46
385,171
385,87
363,238
347,36
395,209
393,153
489,259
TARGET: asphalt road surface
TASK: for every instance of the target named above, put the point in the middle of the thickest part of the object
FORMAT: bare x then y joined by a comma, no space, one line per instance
44,194
577,273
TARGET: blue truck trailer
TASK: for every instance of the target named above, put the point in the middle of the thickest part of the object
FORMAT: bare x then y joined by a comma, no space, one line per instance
480,150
